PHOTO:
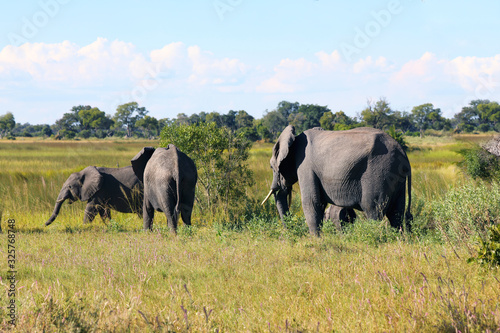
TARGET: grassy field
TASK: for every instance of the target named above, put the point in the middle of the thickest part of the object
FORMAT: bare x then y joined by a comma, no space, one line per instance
258,277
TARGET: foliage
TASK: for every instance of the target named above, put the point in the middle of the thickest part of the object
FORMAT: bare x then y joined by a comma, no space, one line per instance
398,136
94,119
489,249
467,211
478,163
220,156
425,116
377,114
7,124
128,114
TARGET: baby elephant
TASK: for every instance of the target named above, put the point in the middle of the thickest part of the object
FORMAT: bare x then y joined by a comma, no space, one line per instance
104,189
169,177
340,215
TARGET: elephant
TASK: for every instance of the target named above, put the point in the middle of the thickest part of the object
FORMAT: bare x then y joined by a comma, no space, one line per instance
169,177
340,215
104,189
362,168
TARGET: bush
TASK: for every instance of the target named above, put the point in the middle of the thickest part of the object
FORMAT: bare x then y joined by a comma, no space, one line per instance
85,134
220,156
484,127
398,136
489,249
467,211
478,163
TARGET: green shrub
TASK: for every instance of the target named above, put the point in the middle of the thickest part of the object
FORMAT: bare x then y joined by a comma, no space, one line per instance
489,249
220,156
370,232
467,211
478,163
398,136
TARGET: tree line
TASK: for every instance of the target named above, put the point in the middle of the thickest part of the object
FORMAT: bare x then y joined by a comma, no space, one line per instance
132,120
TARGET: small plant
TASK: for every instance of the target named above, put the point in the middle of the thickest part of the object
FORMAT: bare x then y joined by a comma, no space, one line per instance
295,227
398,136
186,231
114,226
489,250
478,163
371,232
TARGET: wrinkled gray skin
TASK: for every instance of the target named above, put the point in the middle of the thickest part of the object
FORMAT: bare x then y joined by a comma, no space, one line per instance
169,178
340,216
104,189
362,168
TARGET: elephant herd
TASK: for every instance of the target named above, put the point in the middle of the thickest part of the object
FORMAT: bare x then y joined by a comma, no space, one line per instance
363,169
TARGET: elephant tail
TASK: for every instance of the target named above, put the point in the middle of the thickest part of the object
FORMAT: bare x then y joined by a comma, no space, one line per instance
408,216
178,203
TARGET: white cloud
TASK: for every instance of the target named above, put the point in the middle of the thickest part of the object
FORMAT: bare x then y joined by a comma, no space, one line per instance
115,71
289,76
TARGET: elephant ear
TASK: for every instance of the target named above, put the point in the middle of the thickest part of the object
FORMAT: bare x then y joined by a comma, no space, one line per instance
282,146
91,180
140,160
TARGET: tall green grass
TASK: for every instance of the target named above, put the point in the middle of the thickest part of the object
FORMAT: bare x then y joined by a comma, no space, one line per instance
253,274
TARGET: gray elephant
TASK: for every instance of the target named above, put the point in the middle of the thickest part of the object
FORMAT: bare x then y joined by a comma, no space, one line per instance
169,178
340,216
104,189
362,168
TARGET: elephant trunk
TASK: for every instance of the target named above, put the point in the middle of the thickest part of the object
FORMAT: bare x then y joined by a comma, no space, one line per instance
63,195
281,198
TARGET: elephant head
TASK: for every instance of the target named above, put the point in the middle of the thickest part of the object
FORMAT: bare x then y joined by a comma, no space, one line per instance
284,170
79,186
140,160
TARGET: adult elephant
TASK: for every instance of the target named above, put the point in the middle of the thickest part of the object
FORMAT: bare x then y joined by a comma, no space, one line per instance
362,168
104,189
169,178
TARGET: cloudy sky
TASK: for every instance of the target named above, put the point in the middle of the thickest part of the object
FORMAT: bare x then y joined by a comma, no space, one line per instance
216,55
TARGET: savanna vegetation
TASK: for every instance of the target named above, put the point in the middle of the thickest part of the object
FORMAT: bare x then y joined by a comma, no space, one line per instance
240,269
131,120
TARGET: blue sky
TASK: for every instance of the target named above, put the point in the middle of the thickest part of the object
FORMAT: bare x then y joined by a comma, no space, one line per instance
215,55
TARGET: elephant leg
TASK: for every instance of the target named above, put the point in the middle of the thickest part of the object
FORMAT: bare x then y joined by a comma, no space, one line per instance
396,211
373,206
313,212
172,216
148,214
90,212
187,207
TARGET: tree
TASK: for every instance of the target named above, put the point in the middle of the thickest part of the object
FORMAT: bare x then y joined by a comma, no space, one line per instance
287,108
338,121
273,123
425,116
489,115
128,114
298,120
220,156
229,120
94,119
215,117
149,125
243,119
69,122
377,115
7,124
312,115
469,118
182,119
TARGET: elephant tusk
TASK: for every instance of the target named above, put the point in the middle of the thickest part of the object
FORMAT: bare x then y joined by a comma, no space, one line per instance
268,196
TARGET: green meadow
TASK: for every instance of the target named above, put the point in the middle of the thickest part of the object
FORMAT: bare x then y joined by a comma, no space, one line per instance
248,273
